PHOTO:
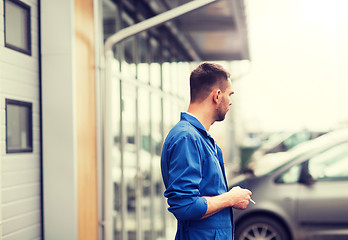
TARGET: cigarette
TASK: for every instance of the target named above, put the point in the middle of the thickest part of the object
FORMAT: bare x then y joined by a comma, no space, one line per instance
252,201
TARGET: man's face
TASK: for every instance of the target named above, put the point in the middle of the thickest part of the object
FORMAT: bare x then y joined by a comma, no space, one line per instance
225,103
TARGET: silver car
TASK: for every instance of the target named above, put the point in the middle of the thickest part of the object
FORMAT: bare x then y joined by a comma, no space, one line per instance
302,196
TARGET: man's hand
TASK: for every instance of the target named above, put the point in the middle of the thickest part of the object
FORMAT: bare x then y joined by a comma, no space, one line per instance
239,197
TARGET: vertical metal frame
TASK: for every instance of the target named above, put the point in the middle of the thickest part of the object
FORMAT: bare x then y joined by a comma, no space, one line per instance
108,144
163,137
139,178
98,26
28,27
149,58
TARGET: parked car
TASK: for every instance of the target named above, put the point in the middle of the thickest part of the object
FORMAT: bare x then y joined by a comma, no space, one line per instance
302,196
277,144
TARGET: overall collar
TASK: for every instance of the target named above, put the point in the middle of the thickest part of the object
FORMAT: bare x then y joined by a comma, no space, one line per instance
196,123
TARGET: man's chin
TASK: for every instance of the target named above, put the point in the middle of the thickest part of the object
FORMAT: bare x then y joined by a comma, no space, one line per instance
221,118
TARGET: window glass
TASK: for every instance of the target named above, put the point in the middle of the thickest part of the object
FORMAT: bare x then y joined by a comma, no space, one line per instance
129,158
180,107
142,48
166,75
155,70
143,72
129,50
116,150
175,78
296,139
167,115
330,164
18,126
128,66
156,118
290,176
128,71
145,162
17,26
183,80
155,50
155,67
156,140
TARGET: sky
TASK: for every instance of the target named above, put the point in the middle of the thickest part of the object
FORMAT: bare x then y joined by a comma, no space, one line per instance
298,76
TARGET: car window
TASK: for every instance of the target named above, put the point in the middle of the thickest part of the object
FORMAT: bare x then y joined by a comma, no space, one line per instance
296,139
330,164
290,176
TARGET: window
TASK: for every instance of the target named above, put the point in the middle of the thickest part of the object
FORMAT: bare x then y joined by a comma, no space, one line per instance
330,164
290,176
17,26
19,133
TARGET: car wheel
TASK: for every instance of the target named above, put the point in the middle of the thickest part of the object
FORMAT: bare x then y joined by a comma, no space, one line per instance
261,228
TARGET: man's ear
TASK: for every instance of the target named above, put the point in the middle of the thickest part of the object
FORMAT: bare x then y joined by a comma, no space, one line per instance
217,95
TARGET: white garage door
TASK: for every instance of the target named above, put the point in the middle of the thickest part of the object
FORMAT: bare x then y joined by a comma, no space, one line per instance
20,152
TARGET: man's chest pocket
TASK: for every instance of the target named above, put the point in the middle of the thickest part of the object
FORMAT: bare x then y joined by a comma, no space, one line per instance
213,179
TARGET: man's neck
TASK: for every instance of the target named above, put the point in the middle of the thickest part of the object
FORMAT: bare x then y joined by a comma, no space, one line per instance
202,113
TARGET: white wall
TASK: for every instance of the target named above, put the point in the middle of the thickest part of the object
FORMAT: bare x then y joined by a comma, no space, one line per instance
59,120
20,172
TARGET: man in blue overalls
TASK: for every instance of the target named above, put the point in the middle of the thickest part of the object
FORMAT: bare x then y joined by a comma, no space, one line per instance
192,165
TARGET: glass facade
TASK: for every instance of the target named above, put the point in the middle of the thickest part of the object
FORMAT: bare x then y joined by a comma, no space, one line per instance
149,90
142,116
150,87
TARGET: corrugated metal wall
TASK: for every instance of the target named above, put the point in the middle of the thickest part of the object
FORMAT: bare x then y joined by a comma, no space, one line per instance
20,172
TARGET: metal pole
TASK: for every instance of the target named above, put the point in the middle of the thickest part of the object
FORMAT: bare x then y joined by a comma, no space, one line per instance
108,144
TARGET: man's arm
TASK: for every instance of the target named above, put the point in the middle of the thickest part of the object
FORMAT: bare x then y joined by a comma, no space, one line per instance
182,172
237,198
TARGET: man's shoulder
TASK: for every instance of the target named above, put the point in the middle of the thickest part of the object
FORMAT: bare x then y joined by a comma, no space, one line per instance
183,129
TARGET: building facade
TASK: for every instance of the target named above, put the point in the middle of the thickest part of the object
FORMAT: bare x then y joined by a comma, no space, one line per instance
81,129
20,135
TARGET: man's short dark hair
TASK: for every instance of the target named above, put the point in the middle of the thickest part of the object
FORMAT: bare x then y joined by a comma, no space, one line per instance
204,78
